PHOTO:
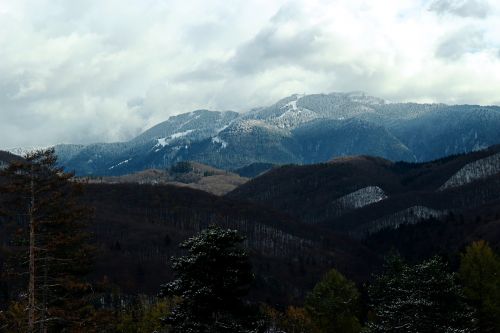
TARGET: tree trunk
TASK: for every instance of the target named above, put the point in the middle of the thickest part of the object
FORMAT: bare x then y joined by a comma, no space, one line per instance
31,283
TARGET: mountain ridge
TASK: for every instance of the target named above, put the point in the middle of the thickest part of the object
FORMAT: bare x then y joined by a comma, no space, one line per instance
298,129
361,195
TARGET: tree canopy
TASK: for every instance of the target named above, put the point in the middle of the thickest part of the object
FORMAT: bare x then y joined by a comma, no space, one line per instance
418,298
334,304
212,281
480,275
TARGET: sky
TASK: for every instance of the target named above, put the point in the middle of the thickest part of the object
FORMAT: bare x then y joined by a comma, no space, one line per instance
85,71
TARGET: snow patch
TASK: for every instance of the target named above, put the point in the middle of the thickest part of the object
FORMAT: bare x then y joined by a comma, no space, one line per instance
221,129
218,140
121,163
21,151
411,215
473,171
361,198
354,200
293,115
180,134
162,142
248,126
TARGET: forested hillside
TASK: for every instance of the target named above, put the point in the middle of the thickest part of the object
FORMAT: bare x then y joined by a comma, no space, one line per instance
306,229
300,129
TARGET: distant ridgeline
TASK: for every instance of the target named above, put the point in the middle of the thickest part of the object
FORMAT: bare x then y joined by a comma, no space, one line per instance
300,129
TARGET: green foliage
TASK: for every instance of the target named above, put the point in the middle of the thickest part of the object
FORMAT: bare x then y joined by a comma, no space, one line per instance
293,320
333,304
420,298
143,317
212,280
480,275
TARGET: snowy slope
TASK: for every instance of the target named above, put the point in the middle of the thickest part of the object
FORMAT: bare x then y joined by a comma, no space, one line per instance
480,169
411,215
296,129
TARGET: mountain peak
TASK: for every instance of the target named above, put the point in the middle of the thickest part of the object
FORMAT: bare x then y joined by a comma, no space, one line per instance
300,129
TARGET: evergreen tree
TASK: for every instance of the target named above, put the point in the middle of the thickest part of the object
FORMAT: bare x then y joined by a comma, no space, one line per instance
212,281
420,298
42,200
333,304
480,275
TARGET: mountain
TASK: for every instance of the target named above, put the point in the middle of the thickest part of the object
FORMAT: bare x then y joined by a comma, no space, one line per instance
254,169
363,195
451,130
186,174
296,110
242,143
322,139
299,129
195,125
7,158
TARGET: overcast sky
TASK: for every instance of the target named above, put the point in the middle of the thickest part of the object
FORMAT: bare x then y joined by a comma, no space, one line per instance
80,71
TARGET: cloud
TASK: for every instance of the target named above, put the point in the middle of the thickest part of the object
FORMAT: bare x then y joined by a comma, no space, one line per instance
463,8
465,41
275,46
90,70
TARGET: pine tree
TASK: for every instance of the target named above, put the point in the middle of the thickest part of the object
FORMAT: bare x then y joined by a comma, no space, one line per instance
480,275
44,201
420,298
333,304
212,281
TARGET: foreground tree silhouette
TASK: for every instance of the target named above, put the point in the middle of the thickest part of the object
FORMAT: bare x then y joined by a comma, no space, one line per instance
40,198
480,275
333,304
212,280
420,298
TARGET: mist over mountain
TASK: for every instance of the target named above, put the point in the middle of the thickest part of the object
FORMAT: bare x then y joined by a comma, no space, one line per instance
299,129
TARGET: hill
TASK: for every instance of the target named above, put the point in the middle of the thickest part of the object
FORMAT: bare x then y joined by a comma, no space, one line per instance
7,157
137,229
189,174
361,195
299,221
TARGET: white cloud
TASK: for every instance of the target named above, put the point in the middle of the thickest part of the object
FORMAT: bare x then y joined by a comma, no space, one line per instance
90,70
463,8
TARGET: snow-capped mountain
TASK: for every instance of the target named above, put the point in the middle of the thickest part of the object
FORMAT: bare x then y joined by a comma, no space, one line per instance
21,151
296,110
297,129
195,125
